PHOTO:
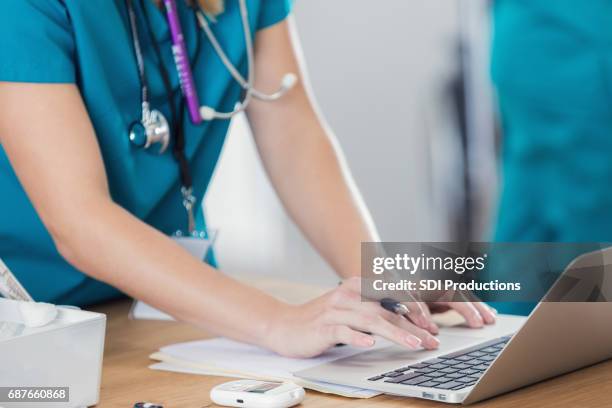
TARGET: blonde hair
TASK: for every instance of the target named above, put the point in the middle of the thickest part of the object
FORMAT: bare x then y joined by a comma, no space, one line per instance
214,7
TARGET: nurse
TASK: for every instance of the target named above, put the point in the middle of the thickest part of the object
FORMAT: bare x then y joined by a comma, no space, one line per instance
104,157
552,66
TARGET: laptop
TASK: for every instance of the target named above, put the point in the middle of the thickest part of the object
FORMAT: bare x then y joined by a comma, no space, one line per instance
475,364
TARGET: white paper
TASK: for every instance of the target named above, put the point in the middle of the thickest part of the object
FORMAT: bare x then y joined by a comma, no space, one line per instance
236,356
142,311
221,356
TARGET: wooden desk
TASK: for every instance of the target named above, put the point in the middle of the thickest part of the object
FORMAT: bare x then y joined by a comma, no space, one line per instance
126,378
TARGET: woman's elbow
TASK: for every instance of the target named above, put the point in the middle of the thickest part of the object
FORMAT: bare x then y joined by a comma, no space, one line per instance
72,232
64,240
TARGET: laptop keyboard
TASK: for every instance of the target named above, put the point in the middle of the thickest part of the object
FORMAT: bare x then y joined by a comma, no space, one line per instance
453,371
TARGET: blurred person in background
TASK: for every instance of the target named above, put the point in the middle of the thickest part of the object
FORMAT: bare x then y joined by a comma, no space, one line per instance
552,67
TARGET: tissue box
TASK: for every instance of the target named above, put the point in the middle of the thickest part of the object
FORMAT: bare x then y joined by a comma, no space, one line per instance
65,353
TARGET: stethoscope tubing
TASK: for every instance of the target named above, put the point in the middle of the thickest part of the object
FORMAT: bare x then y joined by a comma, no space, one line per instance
153,122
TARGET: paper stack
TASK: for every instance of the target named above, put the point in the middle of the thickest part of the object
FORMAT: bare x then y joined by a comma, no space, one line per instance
228,358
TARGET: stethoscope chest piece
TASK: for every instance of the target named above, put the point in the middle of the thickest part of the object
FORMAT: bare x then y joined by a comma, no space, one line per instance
153,128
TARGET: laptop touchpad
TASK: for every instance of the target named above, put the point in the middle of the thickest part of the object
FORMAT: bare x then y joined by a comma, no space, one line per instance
394,356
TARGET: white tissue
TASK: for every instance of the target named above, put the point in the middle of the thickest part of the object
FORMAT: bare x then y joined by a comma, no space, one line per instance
36,314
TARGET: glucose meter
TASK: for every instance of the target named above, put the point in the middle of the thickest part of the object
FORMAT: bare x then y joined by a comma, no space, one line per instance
257,394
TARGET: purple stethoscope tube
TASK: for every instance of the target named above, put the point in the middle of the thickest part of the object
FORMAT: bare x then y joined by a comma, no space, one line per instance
181,59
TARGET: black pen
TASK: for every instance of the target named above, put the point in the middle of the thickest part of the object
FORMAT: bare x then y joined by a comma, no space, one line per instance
394,306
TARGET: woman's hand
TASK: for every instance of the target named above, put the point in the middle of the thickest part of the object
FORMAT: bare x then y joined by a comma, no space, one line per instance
341,316
476,313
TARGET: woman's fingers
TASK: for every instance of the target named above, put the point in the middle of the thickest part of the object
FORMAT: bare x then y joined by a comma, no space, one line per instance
347,318
347,308
488,313
476,314
371,317
418,313
428,323
345,335
428,341
375,324
469,312
396,333
433,327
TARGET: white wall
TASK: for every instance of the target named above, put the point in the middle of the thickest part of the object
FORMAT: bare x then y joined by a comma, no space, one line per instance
376,68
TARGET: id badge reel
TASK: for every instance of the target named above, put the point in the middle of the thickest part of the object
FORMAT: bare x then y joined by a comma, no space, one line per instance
198,243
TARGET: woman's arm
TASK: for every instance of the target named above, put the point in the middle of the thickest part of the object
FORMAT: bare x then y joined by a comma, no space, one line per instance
306,167
305,164
302,157
52,146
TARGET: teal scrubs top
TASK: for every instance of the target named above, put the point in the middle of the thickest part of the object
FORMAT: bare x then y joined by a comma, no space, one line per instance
88,43
552,67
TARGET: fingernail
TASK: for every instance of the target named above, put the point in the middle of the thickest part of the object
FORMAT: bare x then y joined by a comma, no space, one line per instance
412,341
433,328
432,342
366,341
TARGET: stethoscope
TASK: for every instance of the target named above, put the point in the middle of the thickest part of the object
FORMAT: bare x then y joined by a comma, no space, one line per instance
153,127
